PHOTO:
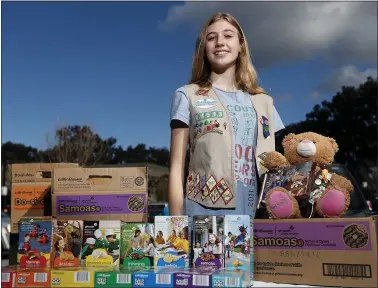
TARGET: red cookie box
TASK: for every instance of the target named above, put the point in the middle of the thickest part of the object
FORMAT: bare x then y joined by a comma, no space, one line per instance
8,276
36,277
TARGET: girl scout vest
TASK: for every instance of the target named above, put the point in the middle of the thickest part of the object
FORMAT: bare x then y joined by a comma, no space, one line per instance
211,180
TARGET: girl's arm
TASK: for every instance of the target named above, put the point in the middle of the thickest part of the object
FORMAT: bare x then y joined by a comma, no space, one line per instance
179,143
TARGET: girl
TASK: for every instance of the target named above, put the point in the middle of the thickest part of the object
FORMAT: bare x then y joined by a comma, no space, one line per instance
227,119
150,250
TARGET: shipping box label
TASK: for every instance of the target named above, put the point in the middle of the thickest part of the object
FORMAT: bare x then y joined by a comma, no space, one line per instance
101,204
29,197
321,236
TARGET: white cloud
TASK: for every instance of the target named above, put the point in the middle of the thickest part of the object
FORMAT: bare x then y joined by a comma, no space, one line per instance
347,75
341,32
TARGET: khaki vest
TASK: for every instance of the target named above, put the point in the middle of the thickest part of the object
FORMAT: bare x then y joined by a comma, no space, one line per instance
211,168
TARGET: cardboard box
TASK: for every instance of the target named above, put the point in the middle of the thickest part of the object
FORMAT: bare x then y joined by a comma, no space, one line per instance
137,245
239,258
174,254
329,252
100,194
101,243
67,243
32,278
115,278
154,277
193,278
73,277
207,245
8,276
34,245
31,184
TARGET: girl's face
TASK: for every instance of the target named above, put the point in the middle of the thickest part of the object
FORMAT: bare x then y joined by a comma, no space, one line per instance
222,45
212,238
61,243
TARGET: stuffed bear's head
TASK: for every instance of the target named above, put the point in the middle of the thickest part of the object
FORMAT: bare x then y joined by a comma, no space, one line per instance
309,146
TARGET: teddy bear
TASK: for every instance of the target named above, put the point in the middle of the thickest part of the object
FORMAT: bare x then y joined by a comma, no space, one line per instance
331,200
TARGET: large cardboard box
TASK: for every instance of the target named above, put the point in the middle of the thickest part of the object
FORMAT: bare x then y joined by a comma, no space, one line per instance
330,252
100,194
31,184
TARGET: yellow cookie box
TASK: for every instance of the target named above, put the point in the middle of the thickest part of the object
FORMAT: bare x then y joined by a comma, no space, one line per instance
72,277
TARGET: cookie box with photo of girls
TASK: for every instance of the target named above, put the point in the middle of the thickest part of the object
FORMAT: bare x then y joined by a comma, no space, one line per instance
226,279
237,244
172,241
207,241
34,246
67,243
101,243
113,278
137,245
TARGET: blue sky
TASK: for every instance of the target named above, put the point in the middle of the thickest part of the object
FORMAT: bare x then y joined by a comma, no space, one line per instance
112,66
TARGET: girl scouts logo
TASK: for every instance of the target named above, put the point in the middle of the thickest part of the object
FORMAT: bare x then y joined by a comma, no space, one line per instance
265,124
205,103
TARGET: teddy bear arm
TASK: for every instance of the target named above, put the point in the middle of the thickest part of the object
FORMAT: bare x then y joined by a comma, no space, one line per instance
342,183
274,160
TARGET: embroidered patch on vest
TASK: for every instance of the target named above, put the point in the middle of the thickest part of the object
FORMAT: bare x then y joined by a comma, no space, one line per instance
211,182
208,115
190,184
227,196
196,189
265,125
207,126
205,103
215,195
205,192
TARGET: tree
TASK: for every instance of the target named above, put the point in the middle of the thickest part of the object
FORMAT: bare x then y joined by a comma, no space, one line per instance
19,153
79,144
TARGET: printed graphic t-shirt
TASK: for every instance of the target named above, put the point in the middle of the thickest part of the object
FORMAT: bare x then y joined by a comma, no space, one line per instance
244,126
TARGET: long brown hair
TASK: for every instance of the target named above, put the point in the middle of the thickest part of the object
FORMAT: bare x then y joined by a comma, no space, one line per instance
245,73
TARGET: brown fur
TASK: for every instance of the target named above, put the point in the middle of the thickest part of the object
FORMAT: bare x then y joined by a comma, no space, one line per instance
326,148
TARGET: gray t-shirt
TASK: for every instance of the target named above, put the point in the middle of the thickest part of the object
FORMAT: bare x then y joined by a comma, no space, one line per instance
244,126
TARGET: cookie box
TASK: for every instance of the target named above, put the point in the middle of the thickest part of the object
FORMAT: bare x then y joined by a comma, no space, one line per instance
101,243
194,277
8,276
239,235
207,245
34,245
225,279
172,243
67,243
322,252
100,194
73,277
121,277
32,277
137,244
154,277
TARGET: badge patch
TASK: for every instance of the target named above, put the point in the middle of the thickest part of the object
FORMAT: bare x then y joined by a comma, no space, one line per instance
207,126
215,195
227,196
208,115
196,190
205,192
211,182
265,124
205,103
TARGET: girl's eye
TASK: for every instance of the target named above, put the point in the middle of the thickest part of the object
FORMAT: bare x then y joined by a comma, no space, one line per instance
227,36
210,38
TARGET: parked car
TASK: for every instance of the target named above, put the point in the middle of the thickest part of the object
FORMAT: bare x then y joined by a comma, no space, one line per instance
5,232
